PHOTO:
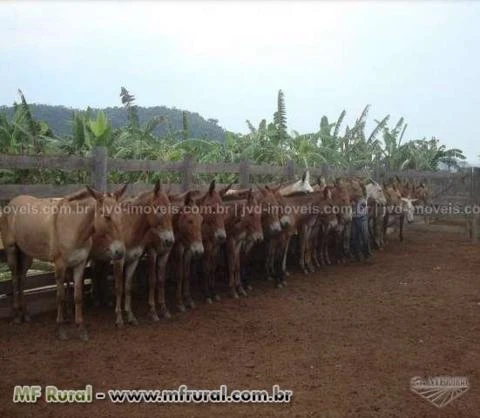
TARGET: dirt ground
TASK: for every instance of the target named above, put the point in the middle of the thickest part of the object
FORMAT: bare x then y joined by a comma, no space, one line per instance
346,341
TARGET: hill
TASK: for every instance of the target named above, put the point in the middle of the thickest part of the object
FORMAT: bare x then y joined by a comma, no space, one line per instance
59,119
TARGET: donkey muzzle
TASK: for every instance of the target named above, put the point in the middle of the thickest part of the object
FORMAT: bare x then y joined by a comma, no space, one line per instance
275,227
197,249
220,236
167,238
117,250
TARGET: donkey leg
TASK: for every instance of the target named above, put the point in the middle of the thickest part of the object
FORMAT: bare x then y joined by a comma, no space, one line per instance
187,296
60,280
152,279
238,275
129,272
161,277
13,263
269,259
207,272
179,269
78,296
302,241
68,295
231,254
285,255
118,276
25,263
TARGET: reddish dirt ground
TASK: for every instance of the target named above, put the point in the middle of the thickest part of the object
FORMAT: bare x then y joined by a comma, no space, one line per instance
346,341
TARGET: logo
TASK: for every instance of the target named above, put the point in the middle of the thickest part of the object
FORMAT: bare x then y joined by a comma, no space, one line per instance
440,390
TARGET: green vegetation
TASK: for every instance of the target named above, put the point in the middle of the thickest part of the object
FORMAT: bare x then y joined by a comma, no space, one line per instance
164,134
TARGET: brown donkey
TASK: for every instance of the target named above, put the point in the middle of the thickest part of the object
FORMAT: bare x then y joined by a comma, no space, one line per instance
213,236
145,218
243,224
59,231
187,223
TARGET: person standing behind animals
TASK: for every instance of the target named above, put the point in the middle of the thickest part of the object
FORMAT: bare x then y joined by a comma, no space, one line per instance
360,235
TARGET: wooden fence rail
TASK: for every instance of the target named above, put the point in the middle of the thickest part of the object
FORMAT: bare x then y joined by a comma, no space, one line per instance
99,165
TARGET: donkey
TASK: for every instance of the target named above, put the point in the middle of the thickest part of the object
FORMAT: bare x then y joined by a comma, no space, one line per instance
187,223
145,217
243,224
213,236
60,231
302,186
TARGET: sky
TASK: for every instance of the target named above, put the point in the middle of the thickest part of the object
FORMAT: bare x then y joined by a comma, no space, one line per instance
227,60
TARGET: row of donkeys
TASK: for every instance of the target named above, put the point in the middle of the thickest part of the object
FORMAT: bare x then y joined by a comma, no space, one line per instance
192,228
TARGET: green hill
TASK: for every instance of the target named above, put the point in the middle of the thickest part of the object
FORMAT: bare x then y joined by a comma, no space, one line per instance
59,119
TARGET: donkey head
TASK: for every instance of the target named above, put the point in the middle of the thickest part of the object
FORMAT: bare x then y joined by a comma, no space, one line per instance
189,226
107,223
252,221
213,211
270,210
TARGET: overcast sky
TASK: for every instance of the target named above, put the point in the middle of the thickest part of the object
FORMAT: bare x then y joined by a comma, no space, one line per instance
227,60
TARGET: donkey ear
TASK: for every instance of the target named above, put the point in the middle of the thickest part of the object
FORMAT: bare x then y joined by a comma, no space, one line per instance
211,189
119,193
158,188
304,176
95,193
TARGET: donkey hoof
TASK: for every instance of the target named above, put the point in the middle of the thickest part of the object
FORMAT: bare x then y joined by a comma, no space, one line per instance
284,283
209,301
83,334
61,333
235,295
164,312
217,297
191,304
249,287
17,319
132,320
279,285
242,291
287,273
181,308
269,278
153,316
119,323
27,318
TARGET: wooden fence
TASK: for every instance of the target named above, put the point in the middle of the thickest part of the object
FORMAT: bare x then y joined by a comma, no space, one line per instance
460,187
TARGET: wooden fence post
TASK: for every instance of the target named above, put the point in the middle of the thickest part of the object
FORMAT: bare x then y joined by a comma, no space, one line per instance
244,174
475,201
325,171
290,170
100,169
187,171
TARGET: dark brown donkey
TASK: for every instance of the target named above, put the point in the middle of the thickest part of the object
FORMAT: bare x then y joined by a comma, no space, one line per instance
243,224
188,245
213,236
59,231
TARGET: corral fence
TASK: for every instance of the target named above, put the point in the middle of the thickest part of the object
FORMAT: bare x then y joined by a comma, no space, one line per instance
448,188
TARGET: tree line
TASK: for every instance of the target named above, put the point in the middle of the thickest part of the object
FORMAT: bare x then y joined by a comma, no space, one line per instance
268,142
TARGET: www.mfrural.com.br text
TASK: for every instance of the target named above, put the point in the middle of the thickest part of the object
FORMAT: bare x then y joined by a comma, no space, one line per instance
182,394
